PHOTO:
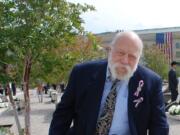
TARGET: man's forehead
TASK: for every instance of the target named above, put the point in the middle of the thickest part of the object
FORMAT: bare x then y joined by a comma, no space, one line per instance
126,44
127,37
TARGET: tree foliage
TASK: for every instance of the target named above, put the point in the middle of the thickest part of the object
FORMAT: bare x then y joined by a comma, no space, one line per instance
59,62
155,59
33,28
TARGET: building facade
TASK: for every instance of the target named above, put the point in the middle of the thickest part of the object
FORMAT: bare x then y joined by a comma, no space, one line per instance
149,37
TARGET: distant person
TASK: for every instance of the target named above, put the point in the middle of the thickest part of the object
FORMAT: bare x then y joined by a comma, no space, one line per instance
1,89
40,93
54,86
46,87
22,87
13,85
173,81
62,86
7,87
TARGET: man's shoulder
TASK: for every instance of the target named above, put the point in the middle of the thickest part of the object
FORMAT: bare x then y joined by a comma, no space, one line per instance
90,68
147,72
171,72
91,64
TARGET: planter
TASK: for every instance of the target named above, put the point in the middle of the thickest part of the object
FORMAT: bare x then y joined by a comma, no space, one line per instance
4,104
174,117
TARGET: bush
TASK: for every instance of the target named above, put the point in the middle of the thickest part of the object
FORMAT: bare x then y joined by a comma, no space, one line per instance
5,131
156,60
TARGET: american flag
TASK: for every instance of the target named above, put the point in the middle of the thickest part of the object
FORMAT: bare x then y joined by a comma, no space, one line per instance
164,43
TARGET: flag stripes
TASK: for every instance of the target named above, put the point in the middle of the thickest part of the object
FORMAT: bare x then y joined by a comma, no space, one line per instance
164,43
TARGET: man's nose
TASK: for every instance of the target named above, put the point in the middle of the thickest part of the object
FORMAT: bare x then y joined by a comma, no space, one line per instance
124,59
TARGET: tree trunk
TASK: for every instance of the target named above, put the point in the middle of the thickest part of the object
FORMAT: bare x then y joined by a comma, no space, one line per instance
14,110
27,69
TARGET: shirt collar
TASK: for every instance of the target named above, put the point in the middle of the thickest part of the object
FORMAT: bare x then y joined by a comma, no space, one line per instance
173,69
108,75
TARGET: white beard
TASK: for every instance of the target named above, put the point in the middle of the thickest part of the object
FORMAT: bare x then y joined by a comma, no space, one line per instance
119,76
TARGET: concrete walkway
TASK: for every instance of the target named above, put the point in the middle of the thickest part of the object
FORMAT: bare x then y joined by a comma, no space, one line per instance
41,115
174,126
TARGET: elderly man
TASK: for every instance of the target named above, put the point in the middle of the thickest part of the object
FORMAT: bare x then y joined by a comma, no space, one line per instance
112,97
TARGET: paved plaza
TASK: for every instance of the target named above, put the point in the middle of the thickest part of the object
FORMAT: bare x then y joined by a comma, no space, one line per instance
41,115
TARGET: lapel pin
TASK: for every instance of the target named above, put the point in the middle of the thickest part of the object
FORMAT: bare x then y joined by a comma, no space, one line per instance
138,101
139,88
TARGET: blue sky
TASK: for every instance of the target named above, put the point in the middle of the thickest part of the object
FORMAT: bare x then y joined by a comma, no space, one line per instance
112,15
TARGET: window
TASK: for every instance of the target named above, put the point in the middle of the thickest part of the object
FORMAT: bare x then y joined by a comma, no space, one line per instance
178,54
178,45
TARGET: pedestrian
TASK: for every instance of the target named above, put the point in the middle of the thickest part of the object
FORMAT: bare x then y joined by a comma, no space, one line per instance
7,87
13,86
54,86
46,88
112,97
173,81
62,86
40,92
1,89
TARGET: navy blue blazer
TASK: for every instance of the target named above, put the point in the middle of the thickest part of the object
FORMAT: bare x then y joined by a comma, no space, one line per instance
81,102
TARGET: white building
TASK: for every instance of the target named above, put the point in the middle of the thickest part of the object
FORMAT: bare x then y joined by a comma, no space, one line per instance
149,38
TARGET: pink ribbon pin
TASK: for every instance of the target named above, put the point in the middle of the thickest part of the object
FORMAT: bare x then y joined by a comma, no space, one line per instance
139,88
138,101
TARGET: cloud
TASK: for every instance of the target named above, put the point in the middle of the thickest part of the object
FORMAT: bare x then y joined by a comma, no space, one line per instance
128,14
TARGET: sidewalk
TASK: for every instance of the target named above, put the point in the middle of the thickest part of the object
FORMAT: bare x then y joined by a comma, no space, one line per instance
41,114
174,126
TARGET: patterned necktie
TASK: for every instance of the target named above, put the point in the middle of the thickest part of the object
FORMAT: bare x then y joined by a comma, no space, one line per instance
105,119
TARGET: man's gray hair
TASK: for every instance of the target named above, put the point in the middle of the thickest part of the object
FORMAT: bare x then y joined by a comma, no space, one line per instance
129,34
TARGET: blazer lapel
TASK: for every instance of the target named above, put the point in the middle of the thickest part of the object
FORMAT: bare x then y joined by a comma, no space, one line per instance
133,84
95,95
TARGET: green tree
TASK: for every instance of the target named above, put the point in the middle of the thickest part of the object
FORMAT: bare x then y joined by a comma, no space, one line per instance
7,71
57,64
155,59
31,29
